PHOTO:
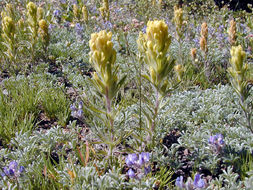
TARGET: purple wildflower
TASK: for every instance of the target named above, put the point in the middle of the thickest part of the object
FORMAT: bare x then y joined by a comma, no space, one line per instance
79,29
144,29
212,139
217,142
147,170
198,182
21,169
145,157
131,159
13,169
180,182
57,13
108,25
73,107
80,113
67,24
80,105
131,173
139,163
51,27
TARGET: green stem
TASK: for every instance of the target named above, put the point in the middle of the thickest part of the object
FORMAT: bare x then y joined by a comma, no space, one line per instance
140,102
246,113
180,50
108,109
157,103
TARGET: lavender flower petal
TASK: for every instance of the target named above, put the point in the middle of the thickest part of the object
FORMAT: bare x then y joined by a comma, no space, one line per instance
131,159
179,182
198,182
131,173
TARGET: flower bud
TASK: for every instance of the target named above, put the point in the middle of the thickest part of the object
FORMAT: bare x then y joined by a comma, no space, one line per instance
76,12
154,45
141,43
193,53
204,30
237,57
8,26
44,31
178,18
40,13
238,70
10,10
106,5
179,69
85,13
232,32
21,24
3,14
32,8
203,44
102,12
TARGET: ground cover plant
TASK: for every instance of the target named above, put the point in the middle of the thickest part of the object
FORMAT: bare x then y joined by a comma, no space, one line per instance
108,94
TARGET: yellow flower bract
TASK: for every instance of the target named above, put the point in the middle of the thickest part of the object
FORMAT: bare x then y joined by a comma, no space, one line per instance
157,35
102,51
237,57
8,25
32,8
178,17
43,25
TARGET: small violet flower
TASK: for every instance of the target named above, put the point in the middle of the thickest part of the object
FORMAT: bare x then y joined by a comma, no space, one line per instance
79,29
131,159
66,24
139,163
217,141
80,113
144,29
198,182
51,27
13,170
147,170
57,13
180,182
80,105
145,157
108,25
77,112
131,173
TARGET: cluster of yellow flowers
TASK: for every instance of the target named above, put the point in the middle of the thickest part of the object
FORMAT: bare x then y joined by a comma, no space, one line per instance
80,14
178,19
102,51
37,25
103,57
153,45
85,14
104,10
238,69
43,30
9,29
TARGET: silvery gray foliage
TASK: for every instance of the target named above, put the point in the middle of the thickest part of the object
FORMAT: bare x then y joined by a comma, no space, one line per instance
88,178
227,180
248,182
31,148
